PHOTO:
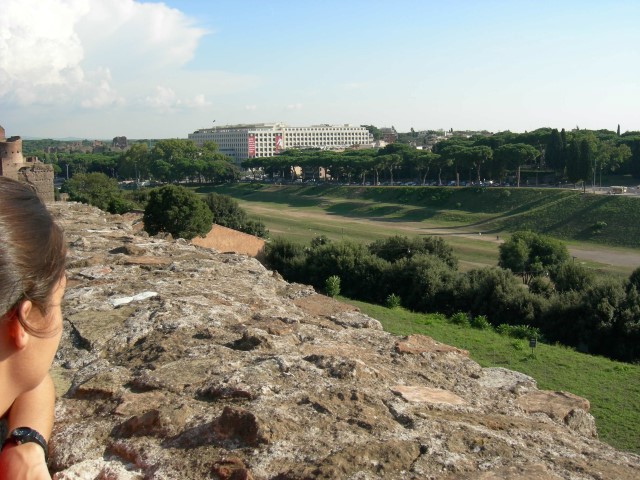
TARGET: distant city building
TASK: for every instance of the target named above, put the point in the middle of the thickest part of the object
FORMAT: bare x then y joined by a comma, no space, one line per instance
27,170
268,139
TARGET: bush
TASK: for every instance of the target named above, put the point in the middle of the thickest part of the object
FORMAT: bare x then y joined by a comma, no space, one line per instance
460,318
423,282
227,212
598,226
288,258
541,286
518,331
359,271
480,322
399,247
332,286
530,252
178,211
498,294
572,276
393,301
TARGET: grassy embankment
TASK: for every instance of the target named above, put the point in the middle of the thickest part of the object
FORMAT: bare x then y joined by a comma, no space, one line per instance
613,388
364,214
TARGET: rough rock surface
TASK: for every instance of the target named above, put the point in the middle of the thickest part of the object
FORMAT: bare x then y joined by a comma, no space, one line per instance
178,362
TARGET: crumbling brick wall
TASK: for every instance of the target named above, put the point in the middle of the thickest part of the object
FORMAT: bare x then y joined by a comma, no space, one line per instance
30,170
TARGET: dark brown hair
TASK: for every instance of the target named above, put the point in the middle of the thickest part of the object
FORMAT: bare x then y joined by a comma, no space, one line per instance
32,249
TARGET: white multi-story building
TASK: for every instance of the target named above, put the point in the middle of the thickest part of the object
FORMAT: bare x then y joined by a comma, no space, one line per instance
266,139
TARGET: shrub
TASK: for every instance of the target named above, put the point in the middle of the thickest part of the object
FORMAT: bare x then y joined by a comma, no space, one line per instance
288,258
541,286
423,282
572,276
503,329
393,301
332,286
226,211
480,322
441,317
598,226
518,331
524,331
460,318
498,294
526,251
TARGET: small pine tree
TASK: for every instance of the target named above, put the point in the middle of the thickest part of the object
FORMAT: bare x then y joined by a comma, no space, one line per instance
393,301
332,286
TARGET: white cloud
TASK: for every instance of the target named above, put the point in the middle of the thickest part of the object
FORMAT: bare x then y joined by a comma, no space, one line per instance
70,52
199,101
294,106
250,107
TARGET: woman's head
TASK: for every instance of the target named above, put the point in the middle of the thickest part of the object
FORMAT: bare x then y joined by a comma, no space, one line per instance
32,250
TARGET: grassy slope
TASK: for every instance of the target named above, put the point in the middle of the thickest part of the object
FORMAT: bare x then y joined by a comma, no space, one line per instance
613,388
566,214
365,214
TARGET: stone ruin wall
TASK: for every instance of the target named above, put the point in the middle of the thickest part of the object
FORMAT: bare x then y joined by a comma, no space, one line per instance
27,170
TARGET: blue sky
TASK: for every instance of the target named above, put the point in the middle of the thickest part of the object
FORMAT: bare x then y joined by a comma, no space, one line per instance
104,68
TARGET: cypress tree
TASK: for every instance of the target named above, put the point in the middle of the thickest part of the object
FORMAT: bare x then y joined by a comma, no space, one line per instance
585,164
554,155
573,161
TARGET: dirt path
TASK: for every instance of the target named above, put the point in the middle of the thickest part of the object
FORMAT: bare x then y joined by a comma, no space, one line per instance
596,254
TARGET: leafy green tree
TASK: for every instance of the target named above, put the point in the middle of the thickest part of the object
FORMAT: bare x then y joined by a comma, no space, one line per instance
478,156
424,282
529,254
178,211
134,163
288,258
572,276
359,271
398,247
496,293
514,155
226,211
96,189
422,162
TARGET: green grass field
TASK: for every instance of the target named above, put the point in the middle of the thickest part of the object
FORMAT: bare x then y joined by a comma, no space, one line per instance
613,388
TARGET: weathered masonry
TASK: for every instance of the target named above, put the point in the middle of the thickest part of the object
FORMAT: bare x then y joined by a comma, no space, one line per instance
28,170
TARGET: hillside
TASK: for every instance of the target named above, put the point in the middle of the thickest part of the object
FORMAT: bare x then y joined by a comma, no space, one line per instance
565,214
178,362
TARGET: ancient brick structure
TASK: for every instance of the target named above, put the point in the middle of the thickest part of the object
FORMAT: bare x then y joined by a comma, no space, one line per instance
119,142
28,170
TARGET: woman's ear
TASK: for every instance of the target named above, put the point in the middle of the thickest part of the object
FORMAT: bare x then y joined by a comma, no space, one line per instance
19,334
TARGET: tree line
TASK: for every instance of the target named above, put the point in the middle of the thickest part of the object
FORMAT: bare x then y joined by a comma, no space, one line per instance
575,156
536,284
171,160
